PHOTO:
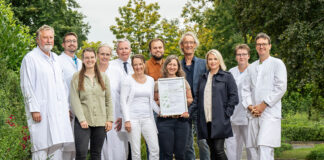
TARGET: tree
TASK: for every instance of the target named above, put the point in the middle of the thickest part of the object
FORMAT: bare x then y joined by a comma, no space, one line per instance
61,15
216,27
140,22
15,39
297,31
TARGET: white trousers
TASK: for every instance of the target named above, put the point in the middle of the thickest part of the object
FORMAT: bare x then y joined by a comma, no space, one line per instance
234,145
115,146
147,128
51,153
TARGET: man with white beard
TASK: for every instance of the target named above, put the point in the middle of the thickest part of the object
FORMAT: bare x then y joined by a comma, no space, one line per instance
262,90
46,100
70,64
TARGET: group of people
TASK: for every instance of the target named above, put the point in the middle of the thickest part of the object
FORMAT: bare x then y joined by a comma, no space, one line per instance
107,106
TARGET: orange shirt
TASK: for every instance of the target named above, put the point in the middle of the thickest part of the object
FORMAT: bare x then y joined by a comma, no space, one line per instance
153,69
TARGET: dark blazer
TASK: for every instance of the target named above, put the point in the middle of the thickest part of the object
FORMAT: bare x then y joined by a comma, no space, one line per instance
224,99
199,69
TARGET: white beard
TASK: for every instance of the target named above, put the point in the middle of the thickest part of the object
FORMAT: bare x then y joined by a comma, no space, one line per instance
47,48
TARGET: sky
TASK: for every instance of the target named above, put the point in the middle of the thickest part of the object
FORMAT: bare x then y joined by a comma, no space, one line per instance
100,14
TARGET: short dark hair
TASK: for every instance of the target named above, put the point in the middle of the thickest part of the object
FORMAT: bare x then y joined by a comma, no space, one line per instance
155,40
70,34
140,56
242,46
263,35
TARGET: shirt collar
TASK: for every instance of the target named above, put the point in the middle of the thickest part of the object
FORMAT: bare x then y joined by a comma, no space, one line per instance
155,62
51,57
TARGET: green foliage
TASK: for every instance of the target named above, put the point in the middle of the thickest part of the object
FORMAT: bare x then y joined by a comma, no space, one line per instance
15,39
61,15
296,30
140,22
294,102
316,154
284,147
86,44
297,127
14,138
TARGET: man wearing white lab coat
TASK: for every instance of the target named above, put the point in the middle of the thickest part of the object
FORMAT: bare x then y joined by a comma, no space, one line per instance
46,100
70,64
239,119
262,90
116,144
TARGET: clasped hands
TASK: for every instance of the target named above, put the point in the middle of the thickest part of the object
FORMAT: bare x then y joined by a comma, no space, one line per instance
257,110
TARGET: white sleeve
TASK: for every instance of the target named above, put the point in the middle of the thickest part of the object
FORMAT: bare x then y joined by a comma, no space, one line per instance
124,94
280,84
27,77
246,90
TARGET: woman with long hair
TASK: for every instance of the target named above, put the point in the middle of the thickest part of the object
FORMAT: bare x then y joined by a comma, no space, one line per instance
215,101
137,103
91,103
173,130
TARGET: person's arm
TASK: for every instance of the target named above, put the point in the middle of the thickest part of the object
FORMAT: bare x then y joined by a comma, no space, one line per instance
27,77
124,93
156,94
232,95
75,99
155,107
189,94
108,101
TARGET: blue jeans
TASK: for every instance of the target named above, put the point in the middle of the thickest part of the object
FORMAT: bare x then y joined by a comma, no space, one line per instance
173,135
204,153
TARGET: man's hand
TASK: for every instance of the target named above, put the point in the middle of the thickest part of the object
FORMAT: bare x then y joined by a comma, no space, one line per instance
36,116
84,124
108,126
254,111
260,107
118,124
128,126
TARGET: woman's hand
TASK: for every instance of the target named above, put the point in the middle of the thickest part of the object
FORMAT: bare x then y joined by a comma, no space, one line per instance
84,124
108,126
128,126
185,115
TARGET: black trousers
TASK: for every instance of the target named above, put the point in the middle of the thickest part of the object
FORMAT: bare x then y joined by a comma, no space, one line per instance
216,146
96,135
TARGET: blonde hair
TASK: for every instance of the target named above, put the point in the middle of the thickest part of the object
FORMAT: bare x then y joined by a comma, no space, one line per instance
218,56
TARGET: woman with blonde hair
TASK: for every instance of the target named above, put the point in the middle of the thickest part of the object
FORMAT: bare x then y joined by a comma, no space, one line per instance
173,130
215,101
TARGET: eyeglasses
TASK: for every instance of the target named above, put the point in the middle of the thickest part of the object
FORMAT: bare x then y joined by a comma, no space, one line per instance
189,42
241,55
261,44
71,41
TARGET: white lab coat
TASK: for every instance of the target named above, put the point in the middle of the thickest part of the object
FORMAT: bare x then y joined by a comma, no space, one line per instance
265,82
44,91
69,68
239,116
116,143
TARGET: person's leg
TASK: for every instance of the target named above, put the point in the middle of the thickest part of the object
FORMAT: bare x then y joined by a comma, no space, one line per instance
97,138
55,152
134,138
266,153
81,139
190,151
210,143
251,153
150,135
166,137
219,147
204,153
231,145
181,136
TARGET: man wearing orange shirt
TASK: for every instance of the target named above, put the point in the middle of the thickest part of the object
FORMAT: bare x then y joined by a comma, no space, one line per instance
154,64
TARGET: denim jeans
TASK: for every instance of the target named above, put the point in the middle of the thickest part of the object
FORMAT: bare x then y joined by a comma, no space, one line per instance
204,153
96,135
173,135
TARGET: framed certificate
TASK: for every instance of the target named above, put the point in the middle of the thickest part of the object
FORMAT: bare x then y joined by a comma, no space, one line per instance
172,94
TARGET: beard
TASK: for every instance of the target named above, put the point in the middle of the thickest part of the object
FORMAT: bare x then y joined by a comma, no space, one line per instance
157,57
47,47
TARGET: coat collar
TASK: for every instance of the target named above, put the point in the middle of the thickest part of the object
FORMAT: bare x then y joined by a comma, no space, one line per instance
220,71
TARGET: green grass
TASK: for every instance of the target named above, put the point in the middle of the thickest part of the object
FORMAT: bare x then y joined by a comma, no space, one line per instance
299,153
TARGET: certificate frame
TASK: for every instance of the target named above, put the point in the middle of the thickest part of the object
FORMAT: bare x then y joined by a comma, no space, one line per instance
172,96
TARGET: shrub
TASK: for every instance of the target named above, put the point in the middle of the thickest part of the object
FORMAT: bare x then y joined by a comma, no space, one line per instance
317,154
284,147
